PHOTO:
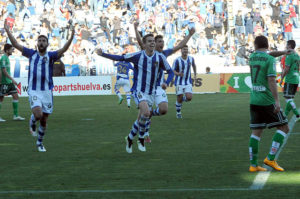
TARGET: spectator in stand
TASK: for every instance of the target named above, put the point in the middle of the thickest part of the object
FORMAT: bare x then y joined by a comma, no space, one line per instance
293,16
285,12
218,23
117,28
11,8
239,23
241,56
249,24
210,32
288,35
10,21
275,11
257,17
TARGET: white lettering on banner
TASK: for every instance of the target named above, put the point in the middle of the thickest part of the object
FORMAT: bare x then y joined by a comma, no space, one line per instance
236,82
88,85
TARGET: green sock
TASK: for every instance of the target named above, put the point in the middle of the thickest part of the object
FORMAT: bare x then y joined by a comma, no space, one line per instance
294,108
253,149
288,108
15,107
276,144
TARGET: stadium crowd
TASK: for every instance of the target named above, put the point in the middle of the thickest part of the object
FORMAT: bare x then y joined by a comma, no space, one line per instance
109,24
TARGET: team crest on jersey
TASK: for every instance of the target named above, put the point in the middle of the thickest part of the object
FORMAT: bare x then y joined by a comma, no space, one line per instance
49,105
156,64
44,59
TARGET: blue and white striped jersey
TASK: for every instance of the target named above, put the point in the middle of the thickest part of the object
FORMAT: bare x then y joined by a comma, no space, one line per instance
123,68
40,70
184,66
161,76
146,69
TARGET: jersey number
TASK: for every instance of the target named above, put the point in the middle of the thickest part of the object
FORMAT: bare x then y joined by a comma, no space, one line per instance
254,72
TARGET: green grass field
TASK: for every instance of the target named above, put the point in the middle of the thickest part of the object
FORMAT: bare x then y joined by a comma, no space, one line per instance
204,155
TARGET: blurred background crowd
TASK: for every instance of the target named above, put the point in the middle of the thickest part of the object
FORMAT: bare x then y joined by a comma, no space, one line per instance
220,31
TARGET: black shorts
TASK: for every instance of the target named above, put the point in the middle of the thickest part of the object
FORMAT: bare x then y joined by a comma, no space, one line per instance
264,116
289,90
8,89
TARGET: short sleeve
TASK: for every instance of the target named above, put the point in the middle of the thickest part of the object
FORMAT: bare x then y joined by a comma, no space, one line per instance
175,65
168,52
288,60
53,55
272,67
164,62
27,52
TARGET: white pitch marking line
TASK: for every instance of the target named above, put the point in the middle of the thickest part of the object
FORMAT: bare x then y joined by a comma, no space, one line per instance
120,191
262,177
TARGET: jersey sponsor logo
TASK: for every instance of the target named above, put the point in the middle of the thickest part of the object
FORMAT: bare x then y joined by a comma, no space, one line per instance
259,88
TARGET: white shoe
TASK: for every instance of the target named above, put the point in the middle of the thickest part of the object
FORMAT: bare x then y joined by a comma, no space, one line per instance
2,120
178,115
18,118
41,147
128,145
141,145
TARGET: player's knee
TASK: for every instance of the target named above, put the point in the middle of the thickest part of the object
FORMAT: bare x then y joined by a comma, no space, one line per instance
163,111
284,128
38,116
189,98
146,114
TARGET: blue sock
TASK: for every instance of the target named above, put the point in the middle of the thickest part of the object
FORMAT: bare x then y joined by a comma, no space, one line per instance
41,135
142,124
156,112
134,130
178,107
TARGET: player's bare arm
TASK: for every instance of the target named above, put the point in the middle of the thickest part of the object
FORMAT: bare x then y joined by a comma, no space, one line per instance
195,69
283,74
184,41
178,73
280,53
12,39
8,76
138,36
61,51
273,88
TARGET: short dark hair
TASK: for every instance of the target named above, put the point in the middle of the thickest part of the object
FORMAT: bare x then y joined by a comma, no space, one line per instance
146,36
261,42
292,43
44,37
185,46
157,37
7,47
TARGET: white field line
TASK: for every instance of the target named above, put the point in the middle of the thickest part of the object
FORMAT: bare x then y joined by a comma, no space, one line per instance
124,190
262,177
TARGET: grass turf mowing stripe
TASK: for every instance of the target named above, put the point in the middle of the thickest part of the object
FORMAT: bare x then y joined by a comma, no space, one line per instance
262,177
120,191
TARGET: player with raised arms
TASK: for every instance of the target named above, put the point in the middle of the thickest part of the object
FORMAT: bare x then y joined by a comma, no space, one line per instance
147,65
40,82
161,98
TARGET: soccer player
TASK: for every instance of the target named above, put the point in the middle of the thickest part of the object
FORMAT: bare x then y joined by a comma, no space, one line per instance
183,81
265,108
147,64
291,74
123,68
40,81
8,84
161,98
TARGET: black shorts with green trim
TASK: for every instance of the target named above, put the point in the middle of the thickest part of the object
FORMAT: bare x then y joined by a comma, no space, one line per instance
264,116
8,89
289,90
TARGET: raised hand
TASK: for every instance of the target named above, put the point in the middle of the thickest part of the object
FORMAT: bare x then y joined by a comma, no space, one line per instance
192,31
99,51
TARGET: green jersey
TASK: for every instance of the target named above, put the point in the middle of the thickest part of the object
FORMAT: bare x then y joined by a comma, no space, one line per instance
4,63
293,62
262,66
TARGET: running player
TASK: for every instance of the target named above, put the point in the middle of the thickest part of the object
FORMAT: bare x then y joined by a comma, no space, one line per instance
147,64
161,98
8,84
291,74
265,108
40,82
123,68
183,81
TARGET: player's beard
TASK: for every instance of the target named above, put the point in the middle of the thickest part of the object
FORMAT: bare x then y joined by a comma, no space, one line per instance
42,49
